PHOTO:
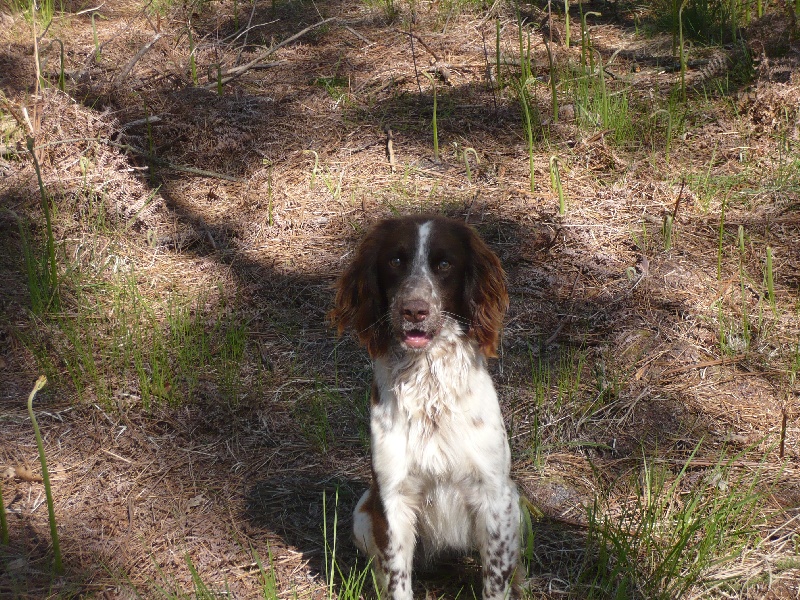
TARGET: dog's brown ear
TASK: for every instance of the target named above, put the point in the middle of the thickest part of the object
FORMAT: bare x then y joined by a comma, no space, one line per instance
486,294
358,298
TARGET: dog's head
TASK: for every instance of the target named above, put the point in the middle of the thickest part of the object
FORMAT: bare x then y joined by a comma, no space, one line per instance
413,277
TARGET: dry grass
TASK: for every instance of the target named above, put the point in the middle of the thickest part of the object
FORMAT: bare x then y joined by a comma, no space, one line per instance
674,348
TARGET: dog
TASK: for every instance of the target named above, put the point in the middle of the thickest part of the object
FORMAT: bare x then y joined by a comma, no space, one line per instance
427,297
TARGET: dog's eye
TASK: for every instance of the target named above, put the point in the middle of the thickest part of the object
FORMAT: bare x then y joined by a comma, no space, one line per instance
443,265
395,262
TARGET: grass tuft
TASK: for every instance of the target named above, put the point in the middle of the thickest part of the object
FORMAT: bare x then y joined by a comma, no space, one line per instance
675,534
42,278
341,585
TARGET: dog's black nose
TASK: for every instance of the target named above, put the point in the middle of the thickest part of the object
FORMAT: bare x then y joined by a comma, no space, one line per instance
415,311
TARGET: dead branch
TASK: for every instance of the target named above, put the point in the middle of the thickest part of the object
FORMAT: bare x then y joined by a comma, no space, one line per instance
421,41
241,70
132,62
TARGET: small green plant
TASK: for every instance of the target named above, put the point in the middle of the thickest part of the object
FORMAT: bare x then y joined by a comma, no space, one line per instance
526,104
570,370
794,365
682,49
666,230
433,121
335,86
201,589
97,47
333,183
40,12
192,60
553,90
269,165
3,522
566,25
388,7
527,117
540,380
58,566
234,341
267,575
467,152
668,134
721,238
312,413
675,534
770,282
219,80
341,585
586,42
555,181
529,512
315,169
706,184
43,274
740,238
556,399
497,57
61,76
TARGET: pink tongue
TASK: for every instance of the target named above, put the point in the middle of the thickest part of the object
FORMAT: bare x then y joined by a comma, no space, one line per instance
416,339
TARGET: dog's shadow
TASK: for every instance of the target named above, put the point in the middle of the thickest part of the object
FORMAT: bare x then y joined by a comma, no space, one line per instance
313,514
307,511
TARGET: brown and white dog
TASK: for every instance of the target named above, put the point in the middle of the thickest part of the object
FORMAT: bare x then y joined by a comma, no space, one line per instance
427,297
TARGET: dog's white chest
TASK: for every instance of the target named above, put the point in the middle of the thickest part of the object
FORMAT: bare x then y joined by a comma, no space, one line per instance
437,417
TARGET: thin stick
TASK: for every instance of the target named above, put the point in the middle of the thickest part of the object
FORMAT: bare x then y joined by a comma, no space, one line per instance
678,200
706,363
246,33
414,59
239,71
358,35
174,167
390,149
553,337
783,433
132,62
489,72
421,41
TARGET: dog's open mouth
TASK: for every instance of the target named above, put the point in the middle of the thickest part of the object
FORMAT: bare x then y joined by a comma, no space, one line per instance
416,338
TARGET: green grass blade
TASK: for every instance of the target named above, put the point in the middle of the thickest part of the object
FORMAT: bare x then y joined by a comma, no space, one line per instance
58,566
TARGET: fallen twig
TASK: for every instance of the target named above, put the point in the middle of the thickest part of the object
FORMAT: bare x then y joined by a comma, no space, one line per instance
421,41
553,337
165,163
132,62
706,363
241,70
358,35
390,149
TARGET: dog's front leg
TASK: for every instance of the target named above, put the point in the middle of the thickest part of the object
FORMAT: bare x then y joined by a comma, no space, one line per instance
387,533
497,528
398,555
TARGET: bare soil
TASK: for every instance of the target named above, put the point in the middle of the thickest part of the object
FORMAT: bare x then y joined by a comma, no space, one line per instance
253,199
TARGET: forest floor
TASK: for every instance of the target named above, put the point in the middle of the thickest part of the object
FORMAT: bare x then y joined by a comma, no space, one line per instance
206,431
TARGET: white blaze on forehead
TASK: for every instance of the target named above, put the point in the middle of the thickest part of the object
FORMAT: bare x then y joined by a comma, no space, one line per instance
420,267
